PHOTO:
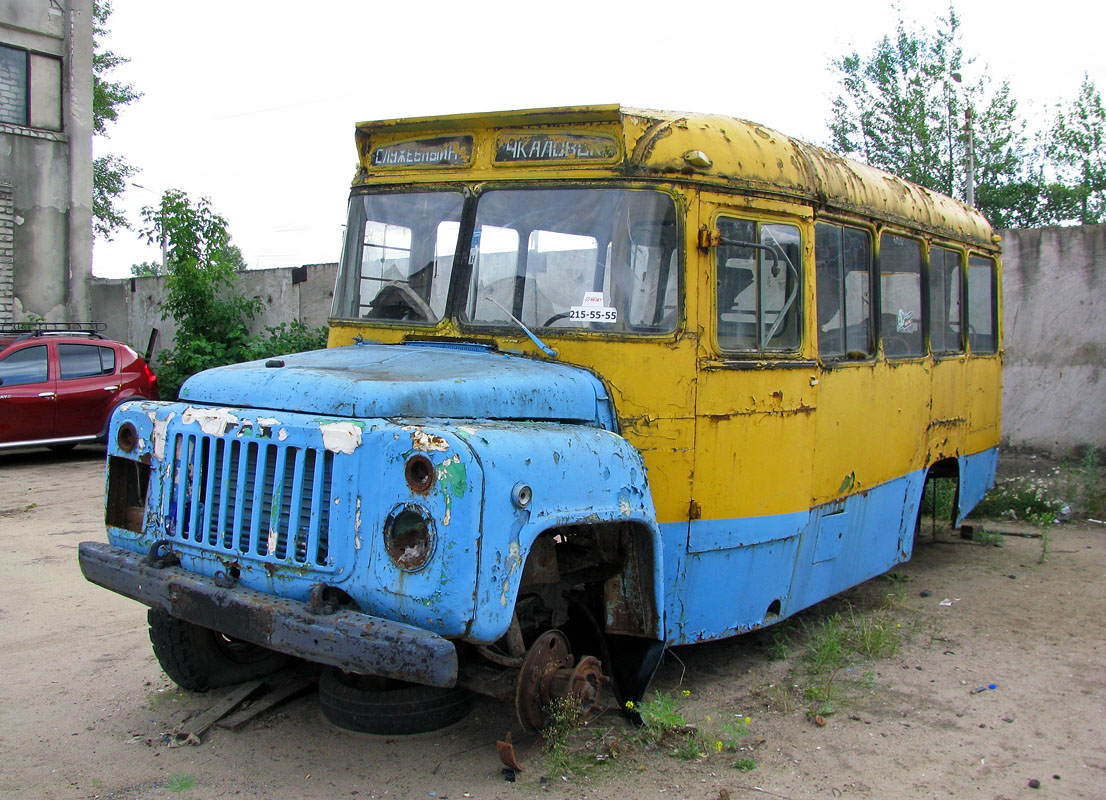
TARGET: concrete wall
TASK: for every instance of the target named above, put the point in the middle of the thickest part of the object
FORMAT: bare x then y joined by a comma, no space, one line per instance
131,308
47,160
1054,291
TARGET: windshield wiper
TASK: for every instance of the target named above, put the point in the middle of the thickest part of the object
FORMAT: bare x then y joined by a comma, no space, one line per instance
549,351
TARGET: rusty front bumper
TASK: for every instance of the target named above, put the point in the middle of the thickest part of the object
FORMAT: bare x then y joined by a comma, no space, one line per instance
346,639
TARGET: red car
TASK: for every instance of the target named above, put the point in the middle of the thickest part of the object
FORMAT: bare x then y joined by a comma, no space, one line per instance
59,383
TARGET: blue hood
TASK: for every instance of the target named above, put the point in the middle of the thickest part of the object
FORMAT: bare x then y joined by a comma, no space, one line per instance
411,380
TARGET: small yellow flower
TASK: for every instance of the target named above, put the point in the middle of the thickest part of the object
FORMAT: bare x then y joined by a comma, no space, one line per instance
630,704
708,717
748,720
718,746
686,693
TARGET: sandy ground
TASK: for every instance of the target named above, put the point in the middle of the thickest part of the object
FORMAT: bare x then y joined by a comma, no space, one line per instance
84,706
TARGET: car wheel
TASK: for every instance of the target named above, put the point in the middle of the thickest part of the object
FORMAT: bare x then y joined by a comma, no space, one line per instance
371,704
63,448
200,659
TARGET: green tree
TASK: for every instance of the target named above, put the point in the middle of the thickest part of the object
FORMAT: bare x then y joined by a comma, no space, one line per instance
201,271
1076,147
903,108
201,266
109,173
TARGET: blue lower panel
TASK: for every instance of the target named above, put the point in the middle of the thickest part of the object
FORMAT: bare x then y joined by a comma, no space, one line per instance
977,475
763,569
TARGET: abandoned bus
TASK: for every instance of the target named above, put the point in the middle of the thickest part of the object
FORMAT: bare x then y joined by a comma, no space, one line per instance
599,381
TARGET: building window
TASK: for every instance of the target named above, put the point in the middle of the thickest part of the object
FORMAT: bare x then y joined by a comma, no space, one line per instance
14,74
30,89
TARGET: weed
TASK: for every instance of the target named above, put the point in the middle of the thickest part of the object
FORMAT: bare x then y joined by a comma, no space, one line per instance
1019,498
781,644
780,698
660,714
825,645
987,538
733,732
563,717
894,598
938,497
875,636
745,764
691,747
179,782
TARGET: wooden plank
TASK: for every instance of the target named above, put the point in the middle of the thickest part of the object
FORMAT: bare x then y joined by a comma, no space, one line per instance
267,701
192,730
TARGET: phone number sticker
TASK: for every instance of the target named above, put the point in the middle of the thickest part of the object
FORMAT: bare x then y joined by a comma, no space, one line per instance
593,314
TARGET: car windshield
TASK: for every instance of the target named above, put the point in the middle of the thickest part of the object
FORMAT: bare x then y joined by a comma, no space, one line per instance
567,258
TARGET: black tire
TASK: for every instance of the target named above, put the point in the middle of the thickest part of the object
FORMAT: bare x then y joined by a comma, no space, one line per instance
200,659
68,447
370,704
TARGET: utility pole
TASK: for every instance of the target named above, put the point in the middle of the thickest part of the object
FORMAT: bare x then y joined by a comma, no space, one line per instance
969,194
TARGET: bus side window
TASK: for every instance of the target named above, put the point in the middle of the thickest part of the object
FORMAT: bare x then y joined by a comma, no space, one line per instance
758,286
982,334
843,263
944,301
900,296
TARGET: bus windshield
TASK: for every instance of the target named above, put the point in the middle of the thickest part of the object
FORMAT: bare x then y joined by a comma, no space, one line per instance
565,258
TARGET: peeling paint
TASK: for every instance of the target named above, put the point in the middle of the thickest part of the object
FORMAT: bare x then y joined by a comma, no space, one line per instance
624,505
341,437
159,432
514,561
283,434
212,421
357,516
427,442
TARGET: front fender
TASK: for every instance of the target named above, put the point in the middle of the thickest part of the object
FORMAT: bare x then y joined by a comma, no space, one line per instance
577,476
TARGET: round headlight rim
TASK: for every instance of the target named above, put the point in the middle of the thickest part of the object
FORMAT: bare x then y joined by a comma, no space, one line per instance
126,438
420,474
427,520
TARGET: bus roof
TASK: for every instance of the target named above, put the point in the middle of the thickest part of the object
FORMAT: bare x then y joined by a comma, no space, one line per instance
730,153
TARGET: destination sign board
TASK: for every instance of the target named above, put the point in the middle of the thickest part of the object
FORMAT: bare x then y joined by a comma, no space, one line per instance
440,151
513,148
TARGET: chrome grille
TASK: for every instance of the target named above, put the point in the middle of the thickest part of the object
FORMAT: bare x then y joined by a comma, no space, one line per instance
250,498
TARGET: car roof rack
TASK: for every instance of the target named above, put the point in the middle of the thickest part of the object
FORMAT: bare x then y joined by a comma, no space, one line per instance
23,330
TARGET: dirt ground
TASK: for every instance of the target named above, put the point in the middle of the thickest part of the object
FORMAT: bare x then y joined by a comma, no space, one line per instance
86,711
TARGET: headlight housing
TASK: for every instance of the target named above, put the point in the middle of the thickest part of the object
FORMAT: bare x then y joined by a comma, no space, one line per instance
409,537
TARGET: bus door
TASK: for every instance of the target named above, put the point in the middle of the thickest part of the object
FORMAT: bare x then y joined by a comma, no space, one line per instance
948,424
755,407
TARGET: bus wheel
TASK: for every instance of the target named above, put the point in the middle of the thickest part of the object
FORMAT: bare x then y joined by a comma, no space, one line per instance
372,704
200,659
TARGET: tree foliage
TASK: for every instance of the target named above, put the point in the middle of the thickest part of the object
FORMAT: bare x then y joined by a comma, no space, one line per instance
213,318
109,173
906,107
1076,147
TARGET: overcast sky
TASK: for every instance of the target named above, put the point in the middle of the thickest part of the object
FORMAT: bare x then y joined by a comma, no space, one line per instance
253,104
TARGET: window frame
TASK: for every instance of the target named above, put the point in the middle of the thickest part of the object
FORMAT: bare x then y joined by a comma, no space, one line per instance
992,262
961,272
759,351
26,119
923,294
50,369
870,235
